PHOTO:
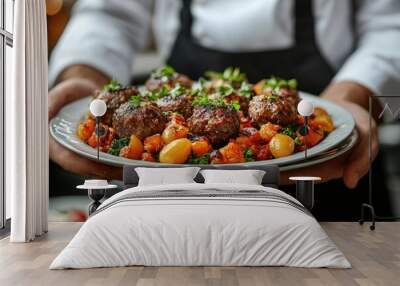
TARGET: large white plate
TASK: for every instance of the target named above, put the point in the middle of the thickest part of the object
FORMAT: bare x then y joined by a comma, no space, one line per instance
63,129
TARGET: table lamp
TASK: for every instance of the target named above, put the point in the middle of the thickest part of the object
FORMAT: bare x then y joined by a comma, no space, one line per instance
98,108
305,109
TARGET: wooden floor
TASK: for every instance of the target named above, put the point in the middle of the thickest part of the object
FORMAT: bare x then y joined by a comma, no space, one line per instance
375,257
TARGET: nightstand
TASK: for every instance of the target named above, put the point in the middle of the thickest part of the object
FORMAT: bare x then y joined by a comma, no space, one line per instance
96,191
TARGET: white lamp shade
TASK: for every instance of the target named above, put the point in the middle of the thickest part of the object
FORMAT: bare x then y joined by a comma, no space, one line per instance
98,107
305,108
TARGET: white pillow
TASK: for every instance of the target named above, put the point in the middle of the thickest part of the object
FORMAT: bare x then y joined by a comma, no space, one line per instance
248,177
166,176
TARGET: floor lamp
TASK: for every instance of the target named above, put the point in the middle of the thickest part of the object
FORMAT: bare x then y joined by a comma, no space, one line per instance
369,206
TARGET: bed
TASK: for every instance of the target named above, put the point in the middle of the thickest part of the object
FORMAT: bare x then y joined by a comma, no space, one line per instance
201,224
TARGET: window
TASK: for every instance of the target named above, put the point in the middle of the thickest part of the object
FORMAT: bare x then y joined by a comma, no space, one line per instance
6,43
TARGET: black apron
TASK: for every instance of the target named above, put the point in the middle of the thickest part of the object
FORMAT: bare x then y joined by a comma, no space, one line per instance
303,62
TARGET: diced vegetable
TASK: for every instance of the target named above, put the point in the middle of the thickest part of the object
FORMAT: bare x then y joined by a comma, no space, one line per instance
201,147
173,132
253,134
86,129
105,140
216,157
318,111
268,130
243,141
281,145
148,157
176,152
324,122
314,136
134,150
153,144
264,153
232,153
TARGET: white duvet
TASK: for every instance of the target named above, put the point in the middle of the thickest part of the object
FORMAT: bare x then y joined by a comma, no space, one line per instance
206,230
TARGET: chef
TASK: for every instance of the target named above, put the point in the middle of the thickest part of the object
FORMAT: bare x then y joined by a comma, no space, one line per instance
345,51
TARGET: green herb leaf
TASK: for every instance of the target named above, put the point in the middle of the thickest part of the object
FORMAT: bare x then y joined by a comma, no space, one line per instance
298,141
230,74
202,160
135,100
225,90
248,155
166,71
178,90
246,90
277,83
289,130
157,94
235,105
117,145
112,86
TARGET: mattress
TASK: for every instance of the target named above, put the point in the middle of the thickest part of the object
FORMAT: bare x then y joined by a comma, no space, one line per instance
201,225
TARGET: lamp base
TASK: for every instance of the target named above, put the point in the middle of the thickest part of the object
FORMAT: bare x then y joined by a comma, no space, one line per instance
95,195
373,217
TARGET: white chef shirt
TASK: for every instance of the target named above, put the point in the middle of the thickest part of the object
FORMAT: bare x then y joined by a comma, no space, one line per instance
106,34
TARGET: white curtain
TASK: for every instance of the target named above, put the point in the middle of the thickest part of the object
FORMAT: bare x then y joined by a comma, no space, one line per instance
27,123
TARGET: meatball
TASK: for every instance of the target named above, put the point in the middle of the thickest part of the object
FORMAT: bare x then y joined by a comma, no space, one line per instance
143,121
113,101
273,108
218,124
181,104
155,82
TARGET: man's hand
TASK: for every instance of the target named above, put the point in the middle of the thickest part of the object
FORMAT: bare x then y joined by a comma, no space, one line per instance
353,165
65,92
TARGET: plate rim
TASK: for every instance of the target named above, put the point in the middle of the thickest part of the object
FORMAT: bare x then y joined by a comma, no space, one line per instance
119,161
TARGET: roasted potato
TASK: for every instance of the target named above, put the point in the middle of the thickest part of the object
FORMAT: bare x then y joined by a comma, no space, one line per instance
324,122
173,132
176,152
281,145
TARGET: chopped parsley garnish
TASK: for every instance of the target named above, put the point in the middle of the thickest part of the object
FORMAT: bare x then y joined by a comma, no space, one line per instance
298,141
235,105
157,94
117,145
201,90
277,83
205,100
112,86
231,75
272,97
202,160
178,90
166,71
248,155
135,100
289,130
225,90
246,90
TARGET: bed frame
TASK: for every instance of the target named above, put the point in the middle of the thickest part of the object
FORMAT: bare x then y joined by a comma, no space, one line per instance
271,178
